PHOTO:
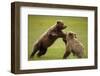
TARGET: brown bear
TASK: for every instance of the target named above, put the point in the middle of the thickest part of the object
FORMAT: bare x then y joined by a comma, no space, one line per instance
48,38
73,45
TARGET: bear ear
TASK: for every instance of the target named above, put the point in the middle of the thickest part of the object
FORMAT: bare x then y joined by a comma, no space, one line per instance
59,21
70,35
75,35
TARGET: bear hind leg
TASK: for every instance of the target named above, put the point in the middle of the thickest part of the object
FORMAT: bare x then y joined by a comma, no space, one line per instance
79,54
34,51
42,52
67,53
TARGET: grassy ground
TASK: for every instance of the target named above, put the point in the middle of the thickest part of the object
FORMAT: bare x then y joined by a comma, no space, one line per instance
37,25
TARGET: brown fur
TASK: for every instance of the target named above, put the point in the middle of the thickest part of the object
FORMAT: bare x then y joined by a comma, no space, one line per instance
48,38
73,45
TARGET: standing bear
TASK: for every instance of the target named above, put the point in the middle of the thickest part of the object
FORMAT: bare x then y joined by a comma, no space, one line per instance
48,38
73,45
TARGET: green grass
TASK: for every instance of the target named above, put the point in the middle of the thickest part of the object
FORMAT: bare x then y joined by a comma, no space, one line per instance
38,24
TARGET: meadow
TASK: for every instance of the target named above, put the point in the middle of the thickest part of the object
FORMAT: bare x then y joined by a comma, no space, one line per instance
38,24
